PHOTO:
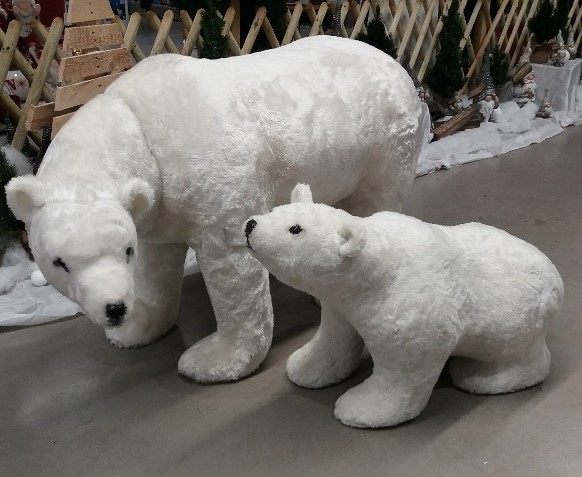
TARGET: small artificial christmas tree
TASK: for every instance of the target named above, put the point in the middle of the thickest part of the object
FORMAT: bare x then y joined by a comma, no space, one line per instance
499,67
8,223
215,44
446,76
561,12
545,24
377,36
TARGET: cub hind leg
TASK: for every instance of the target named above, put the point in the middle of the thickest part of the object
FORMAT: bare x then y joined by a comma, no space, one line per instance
505,375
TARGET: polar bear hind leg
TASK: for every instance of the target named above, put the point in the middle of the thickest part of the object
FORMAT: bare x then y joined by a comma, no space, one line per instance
505,375
238,286
332,355
159,270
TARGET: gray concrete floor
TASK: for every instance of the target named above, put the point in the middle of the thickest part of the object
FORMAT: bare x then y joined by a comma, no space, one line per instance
72,405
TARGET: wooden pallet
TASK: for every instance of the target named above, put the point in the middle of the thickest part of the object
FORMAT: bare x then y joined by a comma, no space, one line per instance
94,56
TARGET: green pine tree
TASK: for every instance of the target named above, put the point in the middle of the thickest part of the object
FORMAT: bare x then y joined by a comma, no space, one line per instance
215,44
562,9
544,24
445,78
499,67
377,36
8,223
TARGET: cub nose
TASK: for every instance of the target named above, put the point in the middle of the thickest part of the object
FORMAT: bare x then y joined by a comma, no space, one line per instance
115,313
251,224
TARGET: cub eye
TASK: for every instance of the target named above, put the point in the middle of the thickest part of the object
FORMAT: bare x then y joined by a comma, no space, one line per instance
129,253
296,229
58,262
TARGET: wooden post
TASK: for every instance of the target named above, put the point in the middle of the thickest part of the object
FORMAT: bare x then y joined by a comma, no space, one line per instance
235,28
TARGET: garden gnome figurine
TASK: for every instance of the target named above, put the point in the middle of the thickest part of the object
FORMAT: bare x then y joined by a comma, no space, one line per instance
545,110
525,91
25,11
457,103
560,56
489,94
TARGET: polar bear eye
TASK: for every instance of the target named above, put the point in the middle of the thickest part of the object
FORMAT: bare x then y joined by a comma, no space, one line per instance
129,253
296,229
58,262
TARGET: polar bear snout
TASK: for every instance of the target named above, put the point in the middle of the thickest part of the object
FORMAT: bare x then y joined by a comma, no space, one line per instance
115,313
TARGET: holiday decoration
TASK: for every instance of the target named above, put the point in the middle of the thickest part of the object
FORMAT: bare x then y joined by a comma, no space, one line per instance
545,111
215,43
570,44
525,91
446,76
111,231
561,55
414,294
544,25
25,11
377,35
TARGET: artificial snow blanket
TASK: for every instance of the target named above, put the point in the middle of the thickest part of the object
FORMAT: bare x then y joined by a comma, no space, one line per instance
136,177
414,294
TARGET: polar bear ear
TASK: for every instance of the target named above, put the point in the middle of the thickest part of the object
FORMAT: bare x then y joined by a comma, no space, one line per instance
301,193
354,239
24,195
137,197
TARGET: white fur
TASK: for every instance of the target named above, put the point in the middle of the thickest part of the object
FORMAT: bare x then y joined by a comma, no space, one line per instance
228,138
415,294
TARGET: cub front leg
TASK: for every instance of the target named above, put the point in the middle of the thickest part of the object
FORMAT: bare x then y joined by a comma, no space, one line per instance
158,274
238,286
331,356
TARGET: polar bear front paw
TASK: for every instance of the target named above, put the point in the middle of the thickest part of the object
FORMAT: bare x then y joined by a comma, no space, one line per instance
215,359
313,367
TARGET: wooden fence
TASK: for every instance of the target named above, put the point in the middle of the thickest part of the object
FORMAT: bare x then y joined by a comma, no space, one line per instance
414,25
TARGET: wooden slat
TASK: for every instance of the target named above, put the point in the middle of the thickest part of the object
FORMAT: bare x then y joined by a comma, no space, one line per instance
270,33
508,22
9,45
397,17
93,36
80,93
75,69
433,41
254,31
311,14
41,116
411,23
355,7
488,37
518,21
15,112
81,11
316,27
193,29
458,122
59,122
361,20
467,43
470,24
163,39
41,33
576,26
42,71
393,9
230,38
522,37
423,31
130,34
292,24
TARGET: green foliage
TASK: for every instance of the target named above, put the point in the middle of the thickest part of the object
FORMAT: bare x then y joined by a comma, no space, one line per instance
548,21
499,67
215,44
377,36
445,78
8,223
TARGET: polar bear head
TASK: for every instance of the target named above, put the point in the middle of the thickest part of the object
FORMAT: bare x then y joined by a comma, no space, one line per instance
84,239
302,242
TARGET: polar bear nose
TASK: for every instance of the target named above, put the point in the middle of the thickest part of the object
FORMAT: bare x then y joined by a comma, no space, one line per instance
251,224
115,313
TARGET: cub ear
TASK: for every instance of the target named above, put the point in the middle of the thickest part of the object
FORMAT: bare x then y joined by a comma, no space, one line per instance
24,195
137,197
354,239
301,193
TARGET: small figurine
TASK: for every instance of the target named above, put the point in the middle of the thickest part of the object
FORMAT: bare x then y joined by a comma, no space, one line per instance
457,103
525,91
561,55
422,93
545,111
570,44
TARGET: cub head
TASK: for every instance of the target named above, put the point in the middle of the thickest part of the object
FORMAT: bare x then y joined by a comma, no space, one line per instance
84,240
302,242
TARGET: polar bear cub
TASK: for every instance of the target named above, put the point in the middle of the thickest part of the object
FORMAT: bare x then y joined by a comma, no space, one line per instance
415,294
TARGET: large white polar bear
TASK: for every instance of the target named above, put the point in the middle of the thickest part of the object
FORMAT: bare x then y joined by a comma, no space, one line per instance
415,294
179,152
